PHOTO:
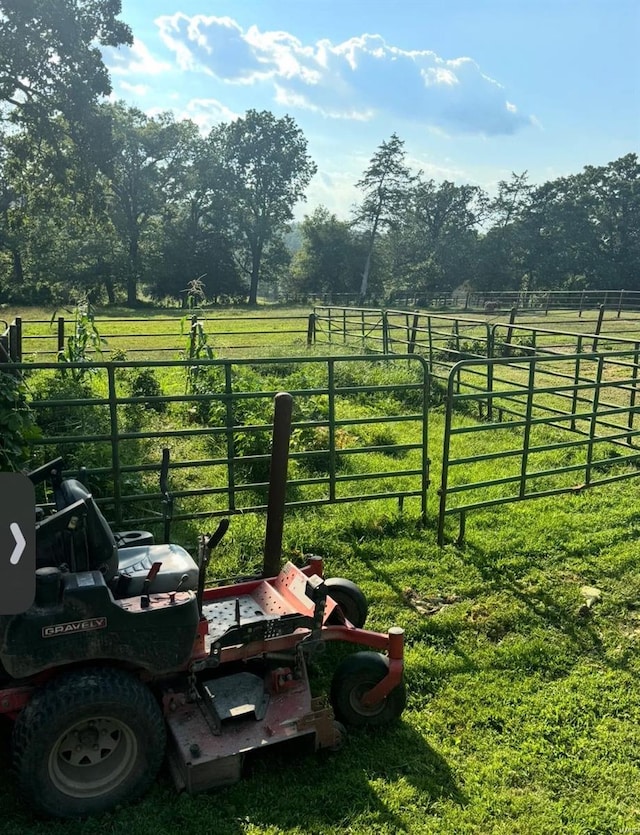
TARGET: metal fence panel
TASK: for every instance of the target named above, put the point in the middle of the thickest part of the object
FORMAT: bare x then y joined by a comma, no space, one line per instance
219,434
551,424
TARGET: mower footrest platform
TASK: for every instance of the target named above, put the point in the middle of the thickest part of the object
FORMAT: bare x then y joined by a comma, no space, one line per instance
201,759
243,610
232,697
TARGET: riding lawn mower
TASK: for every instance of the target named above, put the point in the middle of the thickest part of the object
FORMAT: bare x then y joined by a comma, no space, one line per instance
127,656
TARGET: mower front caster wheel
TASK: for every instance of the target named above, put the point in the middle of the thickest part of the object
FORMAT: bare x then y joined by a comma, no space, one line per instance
87,741
350,599
354,677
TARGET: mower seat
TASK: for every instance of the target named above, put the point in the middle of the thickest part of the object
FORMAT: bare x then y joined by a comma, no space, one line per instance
79,537
125,569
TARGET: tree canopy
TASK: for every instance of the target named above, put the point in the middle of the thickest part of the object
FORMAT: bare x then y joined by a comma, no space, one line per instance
267,169
50,61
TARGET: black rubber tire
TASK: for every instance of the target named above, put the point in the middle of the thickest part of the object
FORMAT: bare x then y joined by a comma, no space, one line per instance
61,769
356,675
350,598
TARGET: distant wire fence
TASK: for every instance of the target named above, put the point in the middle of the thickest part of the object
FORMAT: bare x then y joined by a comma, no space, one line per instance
534,302
160,336
530,301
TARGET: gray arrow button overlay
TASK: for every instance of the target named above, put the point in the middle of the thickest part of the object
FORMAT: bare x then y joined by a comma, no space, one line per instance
17,543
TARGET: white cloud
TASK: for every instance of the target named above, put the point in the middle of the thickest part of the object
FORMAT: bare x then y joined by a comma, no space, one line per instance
135,89
357,79
213,45
134,60
334,189
206,113
288,98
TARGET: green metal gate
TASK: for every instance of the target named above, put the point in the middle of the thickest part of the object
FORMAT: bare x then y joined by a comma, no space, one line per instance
549,425
342,450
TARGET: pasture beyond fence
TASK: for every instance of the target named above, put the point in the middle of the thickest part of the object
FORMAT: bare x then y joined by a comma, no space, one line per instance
551,410
220,439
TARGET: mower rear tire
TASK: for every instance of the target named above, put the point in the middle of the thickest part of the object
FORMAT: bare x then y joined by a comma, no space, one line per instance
350,598
354,677
87,741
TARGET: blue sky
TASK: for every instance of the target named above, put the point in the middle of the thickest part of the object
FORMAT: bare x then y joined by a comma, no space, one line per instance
475,88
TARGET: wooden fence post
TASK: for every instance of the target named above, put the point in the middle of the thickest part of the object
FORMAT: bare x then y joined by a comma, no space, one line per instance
60,333
512,319
594,347
414,333
385,333
311,330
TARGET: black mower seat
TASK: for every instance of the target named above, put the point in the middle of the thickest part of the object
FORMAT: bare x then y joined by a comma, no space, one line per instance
125,569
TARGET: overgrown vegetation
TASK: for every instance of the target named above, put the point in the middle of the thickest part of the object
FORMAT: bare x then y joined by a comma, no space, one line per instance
18,430
85,343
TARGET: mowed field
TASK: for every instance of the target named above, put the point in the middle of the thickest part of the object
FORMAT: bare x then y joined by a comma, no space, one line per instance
151,333
523,710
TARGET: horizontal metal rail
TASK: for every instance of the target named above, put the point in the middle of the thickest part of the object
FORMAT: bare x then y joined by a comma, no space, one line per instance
153,336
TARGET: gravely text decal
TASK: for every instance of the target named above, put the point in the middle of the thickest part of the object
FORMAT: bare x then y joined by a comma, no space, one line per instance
74,626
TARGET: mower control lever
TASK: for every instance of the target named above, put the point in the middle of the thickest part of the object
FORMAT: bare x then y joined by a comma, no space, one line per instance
153,571
183,580
207,544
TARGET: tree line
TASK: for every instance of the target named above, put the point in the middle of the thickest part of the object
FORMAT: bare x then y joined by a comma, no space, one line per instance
98,198
412,236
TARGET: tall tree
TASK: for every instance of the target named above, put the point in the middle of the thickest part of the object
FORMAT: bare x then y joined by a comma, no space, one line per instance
50,60
438,237
502,251
385,184
611,195
267,171
151,155
52,220
330,258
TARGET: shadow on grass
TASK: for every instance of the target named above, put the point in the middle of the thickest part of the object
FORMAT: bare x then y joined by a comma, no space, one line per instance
288,787
363,786
539,601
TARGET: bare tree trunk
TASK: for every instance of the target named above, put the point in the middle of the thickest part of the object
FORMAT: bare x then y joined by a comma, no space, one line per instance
364,286
108,286
256,257
18,272
132,277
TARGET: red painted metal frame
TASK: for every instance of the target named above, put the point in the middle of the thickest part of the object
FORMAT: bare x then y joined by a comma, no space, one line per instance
392,643
14,699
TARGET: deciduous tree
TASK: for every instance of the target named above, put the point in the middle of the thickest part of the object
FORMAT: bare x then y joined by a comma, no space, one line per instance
385,184
267,171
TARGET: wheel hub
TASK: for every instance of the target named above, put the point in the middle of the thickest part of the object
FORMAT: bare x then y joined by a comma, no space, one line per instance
92,757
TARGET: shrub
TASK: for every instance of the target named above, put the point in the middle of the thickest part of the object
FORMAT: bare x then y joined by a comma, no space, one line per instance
143,382
69,419
17,423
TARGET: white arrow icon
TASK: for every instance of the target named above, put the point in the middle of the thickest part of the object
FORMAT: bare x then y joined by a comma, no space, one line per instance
14,559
